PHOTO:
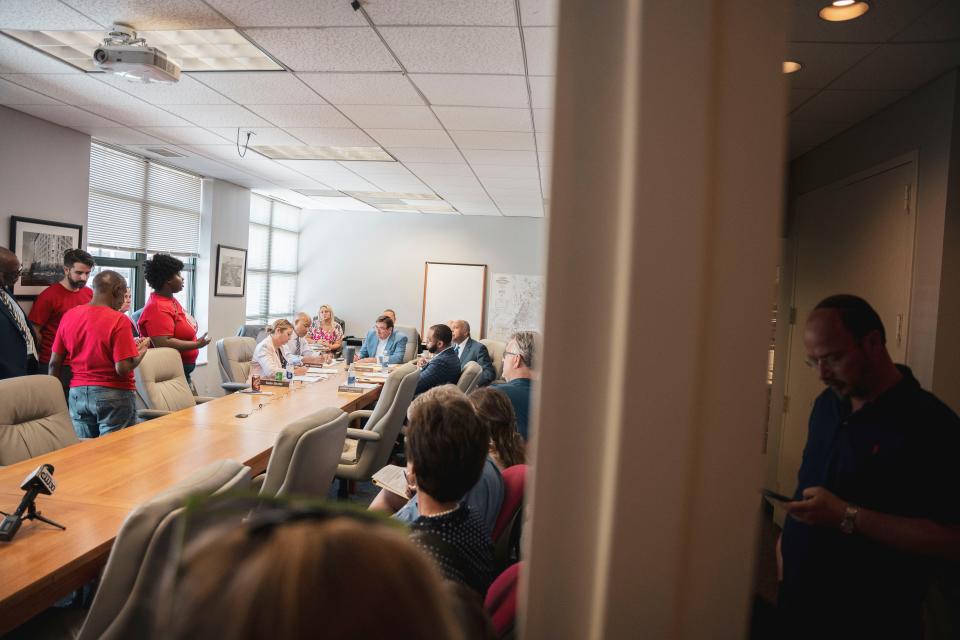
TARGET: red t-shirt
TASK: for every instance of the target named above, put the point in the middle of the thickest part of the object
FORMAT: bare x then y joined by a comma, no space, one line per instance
165,317
48,309
96,338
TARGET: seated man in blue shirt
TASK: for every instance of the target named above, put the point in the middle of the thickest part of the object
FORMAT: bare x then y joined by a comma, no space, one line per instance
444,366
383,339
518,373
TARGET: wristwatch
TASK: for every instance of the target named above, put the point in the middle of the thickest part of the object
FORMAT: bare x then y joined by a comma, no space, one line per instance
849,523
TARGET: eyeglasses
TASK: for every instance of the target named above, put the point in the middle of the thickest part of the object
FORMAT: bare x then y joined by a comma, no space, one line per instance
510,353
829,361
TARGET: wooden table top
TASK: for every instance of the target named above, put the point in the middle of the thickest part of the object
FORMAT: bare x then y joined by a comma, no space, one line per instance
102,480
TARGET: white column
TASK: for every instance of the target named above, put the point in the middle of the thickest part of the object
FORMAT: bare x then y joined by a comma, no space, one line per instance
662,242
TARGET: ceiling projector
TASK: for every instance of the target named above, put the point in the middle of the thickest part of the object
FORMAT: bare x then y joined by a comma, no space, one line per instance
124,54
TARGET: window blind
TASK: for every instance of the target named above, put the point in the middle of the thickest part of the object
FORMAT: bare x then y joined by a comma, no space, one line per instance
140,206
272,259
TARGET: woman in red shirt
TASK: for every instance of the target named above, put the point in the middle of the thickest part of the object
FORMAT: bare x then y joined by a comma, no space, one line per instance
163,319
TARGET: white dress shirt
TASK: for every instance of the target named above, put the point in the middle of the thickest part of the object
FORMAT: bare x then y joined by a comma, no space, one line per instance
266,359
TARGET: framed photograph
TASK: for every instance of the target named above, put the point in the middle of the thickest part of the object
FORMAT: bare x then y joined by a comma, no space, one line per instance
231,272
40,244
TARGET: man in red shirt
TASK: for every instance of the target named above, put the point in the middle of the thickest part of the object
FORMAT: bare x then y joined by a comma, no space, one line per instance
98,340
57,299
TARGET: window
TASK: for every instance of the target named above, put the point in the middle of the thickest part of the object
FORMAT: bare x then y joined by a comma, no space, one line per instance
272,260
130,266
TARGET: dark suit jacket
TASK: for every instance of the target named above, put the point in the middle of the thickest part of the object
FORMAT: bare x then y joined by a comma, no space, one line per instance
13,348
443,368
473,351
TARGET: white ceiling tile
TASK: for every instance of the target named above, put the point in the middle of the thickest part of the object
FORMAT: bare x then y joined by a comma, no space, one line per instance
451,156
810,133
65,115
16,57
73,88
544,141
504,140
901,67
217,115
433,170
186,91
341,204
455,184
289,13
478,211
475,91
363,88
511,185
341,49
940,23
330,173
391,117
138,114
541,91
119,135
149,15
332,137
184,135
799,96
260,87
823,62
497,171
302,115
349,182
48,15
373,169
412,185
539,13
543,119
457,49
506,158
263,135
11,93
846,106
484,118
545,158
879,24
399,138
540,44
443,12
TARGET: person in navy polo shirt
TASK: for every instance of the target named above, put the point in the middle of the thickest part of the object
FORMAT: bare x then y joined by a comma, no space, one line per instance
518,359
876,508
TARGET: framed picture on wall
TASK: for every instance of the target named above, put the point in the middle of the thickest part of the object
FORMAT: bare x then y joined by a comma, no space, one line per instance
231,271
40,244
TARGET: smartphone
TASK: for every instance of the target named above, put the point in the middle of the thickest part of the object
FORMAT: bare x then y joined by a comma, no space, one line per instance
773,495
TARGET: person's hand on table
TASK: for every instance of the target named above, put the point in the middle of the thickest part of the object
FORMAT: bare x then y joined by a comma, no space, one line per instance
299,371
819,507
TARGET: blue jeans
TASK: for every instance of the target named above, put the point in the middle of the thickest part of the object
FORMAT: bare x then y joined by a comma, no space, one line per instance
96,411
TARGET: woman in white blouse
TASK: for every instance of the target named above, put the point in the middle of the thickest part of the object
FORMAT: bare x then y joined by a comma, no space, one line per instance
268,357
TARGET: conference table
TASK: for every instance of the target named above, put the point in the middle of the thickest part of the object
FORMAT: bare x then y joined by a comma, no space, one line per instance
100,481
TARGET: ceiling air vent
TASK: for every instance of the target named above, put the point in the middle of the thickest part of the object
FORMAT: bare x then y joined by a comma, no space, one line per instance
166,153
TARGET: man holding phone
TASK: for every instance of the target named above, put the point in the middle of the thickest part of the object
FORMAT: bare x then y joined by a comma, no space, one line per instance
875,509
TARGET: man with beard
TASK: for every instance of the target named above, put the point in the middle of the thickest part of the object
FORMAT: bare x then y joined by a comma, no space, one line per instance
54,301
444,366
875,511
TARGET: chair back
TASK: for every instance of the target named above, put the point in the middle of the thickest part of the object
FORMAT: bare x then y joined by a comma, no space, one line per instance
125,602
514,479
34,418
469,377
161,381
135,317
495,348
413,340
234,356
501,601
305,455
256,331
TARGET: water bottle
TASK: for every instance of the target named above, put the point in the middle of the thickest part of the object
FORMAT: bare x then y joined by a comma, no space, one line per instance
289,371
384,361
351,375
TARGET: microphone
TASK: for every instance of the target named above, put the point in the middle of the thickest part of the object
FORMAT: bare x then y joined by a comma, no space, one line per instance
40,481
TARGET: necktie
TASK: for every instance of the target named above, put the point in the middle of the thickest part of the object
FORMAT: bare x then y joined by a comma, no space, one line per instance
17,315
457,349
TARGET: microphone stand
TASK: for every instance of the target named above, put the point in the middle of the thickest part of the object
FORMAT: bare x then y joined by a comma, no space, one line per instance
33,514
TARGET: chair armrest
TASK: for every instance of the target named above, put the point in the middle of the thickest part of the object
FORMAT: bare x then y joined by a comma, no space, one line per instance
363,434
359,414
231,387
202,399
150,414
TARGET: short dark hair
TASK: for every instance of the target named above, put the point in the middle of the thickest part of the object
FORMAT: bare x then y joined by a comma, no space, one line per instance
73,256
446,442
442,333
159,269
387,320
856,315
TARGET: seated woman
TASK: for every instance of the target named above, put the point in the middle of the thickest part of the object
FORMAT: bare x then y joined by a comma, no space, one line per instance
327,332
268,357
506,444
163,319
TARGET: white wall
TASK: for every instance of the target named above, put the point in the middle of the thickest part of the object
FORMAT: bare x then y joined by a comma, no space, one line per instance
362,263
225,220
44,172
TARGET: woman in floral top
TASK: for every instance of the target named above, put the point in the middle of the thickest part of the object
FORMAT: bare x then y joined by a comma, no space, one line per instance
327,332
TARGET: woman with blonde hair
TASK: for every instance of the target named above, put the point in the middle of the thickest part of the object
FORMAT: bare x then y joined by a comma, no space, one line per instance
327,332
268,357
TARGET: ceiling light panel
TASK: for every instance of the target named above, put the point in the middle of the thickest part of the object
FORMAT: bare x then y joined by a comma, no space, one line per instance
474,91
457,49
842,10
193,50
343,49
306,152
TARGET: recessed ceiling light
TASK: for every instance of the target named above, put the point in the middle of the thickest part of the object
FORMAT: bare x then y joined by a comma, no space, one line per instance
791,66
309,152
395,201
192,50
842,10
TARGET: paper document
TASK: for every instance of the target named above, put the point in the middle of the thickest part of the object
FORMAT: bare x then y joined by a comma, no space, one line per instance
316,370
309,378
393,479
256,393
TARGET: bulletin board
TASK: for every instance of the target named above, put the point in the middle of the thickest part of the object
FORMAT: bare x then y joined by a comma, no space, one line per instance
453,291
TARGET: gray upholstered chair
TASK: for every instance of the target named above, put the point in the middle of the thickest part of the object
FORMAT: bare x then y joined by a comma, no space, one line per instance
375,441
413,340
469,377
234,356
162,384
495,348
34,418
125,603
256,331
305,455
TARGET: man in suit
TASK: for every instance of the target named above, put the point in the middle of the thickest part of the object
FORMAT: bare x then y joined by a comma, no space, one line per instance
469,350
444,366
383,339
18,344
